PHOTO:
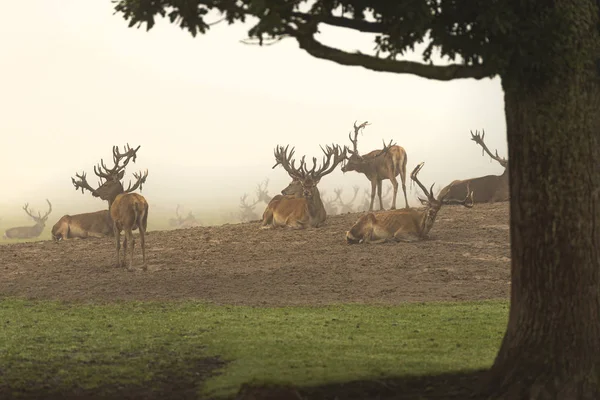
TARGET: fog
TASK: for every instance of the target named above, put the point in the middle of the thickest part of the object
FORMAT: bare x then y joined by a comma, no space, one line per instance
208,111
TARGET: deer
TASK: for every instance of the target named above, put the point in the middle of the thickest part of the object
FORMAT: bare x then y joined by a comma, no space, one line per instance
378,165
308,210
128,210
262,193
407,225
345,207
183,222
80,226
29,232
247,213
489,188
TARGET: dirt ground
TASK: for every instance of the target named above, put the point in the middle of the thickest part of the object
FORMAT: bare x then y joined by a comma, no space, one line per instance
467,257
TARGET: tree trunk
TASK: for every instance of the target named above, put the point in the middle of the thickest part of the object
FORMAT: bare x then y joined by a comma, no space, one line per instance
551,349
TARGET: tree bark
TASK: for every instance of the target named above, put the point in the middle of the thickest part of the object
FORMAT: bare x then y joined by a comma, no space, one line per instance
551,349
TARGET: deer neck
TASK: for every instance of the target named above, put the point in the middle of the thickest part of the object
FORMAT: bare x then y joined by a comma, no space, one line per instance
425,223
315,204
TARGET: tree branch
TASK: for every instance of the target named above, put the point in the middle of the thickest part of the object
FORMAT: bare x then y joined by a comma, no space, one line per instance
437,72
342,22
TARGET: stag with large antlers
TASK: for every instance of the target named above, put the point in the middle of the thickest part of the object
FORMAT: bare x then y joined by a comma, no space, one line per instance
403,225
308,210
345,207
378,165
487,189
80,226
29,232
128,211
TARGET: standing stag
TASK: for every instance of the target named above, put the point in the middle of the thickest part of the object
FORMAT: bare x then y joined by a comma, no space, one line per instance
378,165
487,189
93,224
29,232
403,225
345,207
128,211
308,210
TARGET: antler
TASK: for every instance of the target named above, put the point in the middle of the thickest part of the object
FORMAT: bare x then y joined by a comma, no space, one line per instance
245,205
413,176
140,180
82,183
39,217
356,189
328,164
355,140
283,158
386,147
177,212
130,154
479,139
467,202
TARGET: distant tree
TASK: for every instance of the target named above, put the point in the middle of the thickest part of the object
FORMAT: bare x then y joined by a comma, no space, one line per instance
547,56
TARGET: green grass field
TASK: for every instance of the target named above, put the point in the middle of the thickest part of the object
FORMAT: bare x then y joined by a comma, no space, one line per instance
80,348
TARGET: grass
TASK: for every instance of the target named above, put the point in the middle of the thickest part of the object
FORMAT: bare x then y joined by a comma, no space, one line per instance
52,346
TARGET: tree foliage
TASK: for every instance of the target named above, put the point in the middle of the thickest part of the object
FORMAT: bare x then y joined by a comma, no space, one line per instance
482,38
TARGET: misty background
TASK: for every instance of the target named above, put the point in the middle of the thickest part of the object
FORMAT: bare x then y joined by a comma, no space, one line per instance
208,111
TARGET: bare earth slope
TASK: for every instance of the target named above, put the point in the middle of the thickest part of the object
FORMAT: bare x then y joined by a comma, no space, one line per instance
466,258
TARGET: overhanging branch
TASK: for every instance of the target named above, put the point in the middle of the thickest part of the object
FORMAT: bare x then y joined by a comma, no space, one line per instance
341,22
438,72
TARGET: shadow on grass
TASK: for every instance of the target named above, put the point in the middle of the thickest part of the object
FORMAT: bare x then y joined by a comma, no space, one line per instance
182,380
185,384
463,386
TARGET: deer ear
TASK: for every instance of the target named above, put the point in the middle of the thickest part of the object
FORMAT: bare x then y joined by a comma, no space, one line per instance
423,201
121,175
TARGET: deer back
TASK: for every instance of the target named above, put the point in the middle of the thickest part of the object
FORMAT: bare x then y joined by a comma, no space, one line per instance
128,210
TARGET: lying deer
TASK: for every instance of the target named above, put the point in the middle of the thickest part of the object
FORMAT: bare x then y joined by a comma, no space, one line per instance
307,210
487,189
402,225
128,211
29,232
94,224
378,165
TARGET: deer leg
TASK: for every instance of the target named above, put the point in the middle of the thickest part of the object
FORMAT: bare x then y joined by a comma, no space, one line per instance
124,263
401,236
118,239
130,238
373,186
403,179
395,185
143,244
379,185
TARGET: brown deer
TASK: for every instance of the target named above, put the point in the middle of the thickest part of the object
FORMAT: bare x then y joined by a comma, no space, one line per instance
94,224
345,207
29,232
403,225
377,166
308,210
128,211
487,189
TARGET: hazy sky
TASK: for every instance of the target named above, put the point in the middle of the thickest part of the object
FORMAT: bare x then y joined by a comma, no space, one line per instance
208,111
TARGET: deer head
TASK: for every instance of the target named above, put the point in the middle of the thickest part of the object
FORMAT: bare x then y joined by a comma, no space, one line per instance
433,205
110,184
308,178
39,218
479,139
355,160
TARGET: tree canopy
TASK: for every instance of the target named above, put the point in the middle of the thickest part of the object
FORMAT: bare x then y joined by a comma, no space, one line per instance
481,38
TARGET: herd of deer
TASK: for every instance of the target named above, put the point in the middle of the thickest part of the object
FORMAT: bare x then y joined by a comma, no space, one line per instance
298,206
